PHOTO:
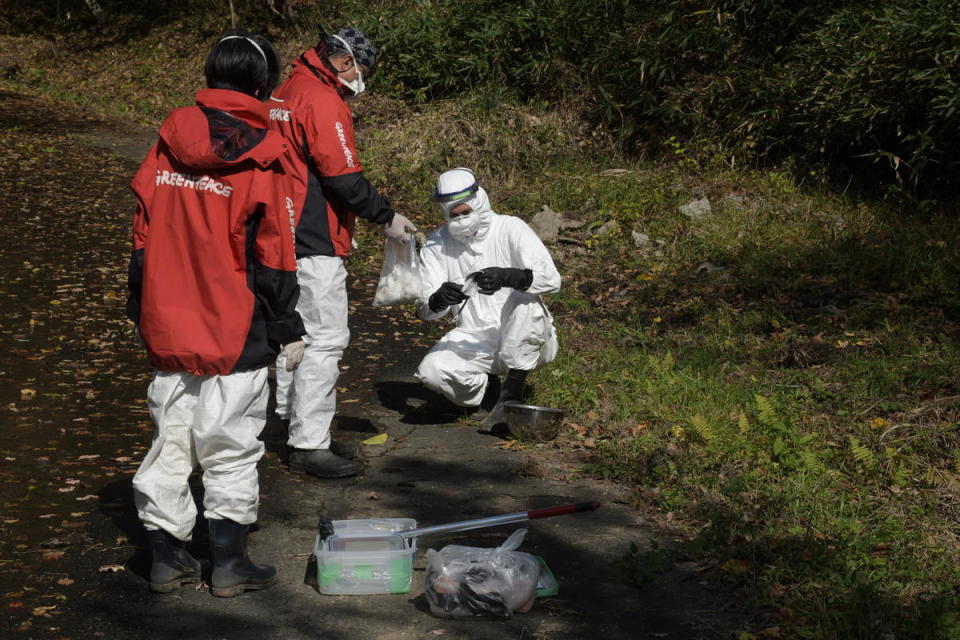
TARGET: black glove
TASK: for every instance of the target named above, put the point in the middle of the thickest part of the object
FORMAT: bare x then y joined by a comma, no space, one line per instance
449,293
492,279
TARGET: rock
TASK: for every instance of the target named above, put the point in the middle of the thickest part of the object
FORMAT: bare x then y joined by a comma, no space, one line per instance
696,209
733,201
641,240
570,223
546,224
607,228
708,267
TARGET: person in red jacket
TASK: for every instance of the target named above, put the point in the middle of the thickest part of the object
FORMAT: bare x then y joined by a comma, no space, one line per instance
310,109
213,293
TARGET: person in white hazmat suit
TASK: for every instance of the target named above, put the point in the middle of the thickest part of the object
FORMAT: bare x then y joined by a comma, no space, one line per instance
506,329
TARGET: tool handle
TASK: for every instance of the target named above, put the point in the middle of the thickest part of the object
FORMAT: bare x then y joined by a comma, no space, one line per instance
563,509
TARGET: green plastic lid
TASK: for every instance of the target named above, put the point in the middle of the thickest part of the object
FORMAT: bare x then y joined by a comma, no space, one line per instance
547,584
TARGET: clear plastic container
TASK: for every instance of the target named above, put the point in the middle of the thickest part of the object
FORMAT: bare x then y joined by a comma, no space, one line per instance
364,557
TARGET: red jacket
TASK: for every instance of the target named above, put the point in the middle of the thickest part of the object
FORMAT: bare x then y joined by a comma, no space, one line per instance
213,275
331,190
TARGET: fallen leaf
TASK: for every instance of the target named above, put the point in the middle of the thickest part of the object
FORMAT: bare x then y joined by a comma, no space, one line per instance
377,439
589,443
65,582
733,565
110,568
28,394
44,611
52,555
373,496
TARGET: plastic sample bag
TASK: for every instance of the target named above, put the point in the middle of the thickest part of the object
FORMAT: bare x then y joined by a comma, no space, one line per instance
400,281
472,582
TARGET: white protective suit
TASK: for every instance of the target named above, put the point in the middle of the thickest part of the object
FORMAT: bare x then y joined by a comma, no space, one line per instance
211,421
508,329
308,395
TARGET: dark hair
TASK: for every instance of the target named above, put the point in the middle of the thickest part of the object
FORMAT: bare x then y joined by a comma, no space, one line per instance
235,63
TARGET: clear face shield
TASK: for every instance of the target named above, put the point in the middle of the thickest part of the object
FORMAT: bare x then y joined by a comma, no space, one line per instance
356,85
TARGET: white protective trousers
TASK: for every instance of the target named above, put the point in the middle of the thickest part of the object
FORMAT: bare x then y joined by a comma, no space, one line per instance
457,366
308,395
208,421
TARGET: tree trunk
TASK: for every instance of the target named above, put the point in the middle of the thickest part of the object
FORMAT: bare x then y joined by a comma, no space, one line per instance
94,7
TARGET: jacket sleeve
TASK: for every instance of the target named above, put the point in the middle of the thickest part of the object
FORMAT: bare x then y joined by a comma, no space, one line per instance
355,192
275,265
331,146
433,274
142,185
527,251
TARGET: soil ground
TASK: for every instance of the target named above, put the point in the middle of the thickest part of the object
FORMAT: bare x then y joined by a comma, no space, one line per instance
72,562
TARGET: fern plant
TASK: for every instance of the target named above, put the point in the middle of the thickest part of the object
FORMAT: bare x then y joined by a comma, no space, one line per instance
863,456
789,448
704,431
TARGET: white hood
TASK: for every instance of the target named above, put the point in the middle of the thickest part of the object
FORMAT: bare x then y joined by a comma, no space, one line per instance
459,186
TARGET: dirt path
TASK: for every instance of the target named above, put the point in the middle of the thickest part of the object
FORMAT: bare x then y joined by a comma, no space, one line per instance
74,426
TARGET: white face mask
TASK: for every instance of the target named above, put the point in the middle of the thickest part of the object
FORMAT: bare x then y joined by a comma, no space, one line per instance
465,226
356,85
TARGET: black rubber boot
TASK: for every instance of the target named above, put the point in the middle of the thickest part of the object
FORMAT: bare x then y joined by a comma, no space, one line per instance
491,395
511,391
343,449
233,572
173,565
322,463
339,447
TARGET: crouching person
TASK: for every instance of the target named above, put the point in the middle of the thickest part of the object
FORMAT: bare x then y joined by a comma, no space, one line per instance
213,293
504,330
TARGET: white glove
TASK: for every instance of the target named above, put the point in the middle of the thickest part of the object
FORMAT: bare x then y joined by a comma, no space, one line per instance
399,228
293,352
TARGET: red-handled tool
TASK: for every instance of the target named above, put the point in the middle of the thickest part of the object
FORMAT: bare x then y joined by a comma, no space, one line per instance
509,518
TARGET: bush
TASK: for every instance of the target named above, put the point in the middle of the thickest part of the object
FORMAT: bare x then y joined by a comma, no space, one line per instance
853,84
869,88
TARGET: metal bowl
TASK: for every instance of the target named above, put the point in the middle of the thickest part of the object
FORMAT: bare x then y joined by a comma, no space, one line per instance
530,422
